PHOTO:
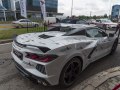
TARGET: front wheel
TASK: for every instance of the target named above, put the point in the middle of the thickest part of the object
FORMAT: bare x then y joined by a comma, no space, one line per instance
19,26
114,47
70,72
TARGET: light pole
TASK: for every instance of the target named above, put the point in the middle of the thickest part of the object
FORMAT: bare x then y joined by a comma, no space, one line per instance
15,15
72,8
110,9
90,14
119,15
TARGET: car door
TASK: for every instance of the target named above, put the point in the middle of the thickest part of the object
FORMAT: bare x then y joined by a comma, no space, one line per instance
29,23
103,45
23,23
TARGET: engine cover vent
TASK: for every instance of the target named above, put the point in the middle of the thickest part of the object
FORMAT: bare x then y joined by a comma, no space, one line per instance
45,36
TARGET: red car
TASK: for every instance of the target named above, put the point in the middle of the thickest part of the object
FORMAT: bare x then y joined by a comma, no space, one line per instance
105,23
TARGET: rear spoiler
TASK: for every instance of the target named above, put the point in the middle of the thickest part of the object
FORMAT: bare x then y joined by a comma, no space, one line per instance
43,49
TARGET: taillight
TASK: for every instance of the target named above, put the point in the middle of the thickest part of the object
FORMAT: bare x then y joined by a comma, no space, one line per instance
41,58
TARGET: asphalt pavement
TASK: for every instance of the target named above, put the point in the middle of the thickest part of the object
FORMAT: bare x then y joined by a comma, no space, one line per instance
10,78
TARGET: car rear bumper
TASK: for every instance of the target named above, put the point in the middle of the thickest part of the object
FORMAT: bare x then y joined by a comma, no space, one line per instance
49,72
31,76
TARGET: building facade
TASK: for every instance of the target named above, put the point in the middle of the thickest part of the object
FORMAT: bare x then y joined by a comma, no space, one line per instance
115,12
6,4
33,7
51,5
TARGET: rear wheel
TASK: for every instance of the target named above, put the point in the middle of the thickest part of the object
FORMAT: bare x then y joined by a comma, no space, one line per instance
114,47
70,72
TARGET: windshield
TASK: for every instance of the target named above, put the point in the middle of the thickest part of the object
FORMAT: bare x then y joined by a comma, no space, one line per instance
106,20
61,29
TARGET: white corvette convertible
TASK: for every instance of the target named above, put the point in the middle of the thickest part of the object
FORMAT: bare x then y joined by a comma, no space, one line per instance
59,55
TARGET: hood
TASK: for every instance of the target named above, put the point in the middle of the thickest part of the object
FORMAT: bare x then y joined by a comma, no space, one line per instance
51,40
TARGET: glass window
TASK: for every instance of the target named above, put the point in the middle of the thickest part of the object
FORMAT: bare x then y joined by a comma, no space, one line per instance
61,29
81,22
7,4
98,20
22,21
95,32
25,21
48,3
36,3
51,5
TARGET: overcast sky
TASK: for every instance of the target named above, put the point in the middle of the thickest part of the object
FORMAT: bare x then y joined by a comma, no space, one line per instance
84,7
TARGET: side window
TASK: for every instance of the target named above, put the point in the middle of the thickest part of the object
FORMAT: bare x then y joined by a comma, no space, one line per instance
98,21
22,21
25,21
28,21
95,32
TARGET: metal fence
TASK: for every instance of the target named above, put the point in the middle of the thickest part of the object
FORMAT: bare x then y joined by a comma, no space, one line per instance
8,31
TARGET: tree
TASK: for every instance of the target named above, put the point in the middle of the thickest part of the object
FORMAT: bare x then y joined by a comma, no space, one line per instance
94,17
105,16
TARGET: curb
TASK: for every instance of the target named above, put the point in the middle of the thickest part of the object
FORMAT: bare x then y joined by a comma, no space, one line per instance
93,82
5,41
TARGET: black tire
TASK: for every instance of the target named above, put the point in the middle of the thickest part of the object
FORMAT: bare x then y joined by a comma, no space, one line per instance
20,26
114,47
70,72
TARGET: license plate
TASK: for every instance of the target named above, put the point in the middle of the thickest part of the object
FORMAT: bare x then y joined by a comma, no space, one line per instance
18,54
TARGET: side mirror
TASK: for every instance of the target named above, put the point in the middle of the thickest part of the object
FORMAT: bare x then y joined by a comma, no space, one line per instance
111,35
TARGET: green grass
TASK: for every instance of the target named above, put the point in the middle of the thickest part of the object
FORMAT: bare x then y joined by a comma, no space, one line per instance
5,22
8,34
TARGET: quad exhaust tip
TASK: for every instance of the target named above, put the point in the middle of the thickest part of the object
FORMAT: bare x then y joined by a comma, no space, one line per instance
43,83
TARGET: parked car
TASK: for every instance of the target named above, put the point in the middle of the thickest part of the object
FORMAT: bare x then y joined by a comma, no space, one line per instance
22,23
91,21
74,21
59,55
106,24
